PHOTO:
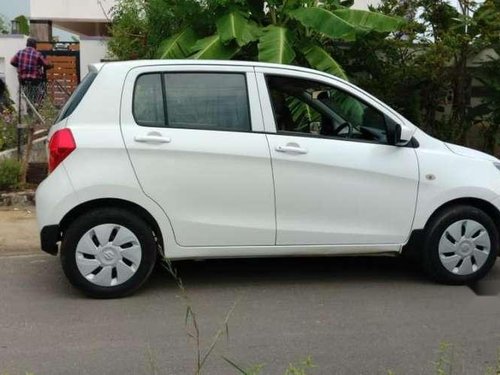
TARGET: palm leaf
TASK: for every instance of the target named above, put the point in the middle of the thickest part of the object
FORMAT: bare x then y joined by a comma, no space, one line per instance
275,45
301,113
212,48
236,26
324,22
369,21
177,46
291,4
319,59
347,107
345,24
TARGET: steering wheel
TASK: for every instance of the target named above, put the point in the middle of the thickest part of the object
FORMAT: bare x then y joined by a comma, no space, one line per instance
342,127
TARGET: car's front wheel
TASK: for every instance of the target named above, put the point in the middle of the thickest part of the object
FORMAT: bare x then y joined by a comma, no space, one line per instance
108,252
461,245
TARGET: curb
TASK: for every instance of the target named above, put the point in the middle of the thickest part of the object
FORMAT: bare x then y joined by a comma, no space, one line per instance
18,198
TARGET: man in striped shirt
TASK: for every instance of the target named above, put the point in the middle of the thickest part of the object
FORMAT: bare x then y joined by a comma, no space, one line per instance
31,66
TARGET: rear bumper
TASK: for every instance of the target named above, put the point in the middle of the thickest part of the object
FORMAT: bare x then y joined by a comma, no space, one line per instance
49,237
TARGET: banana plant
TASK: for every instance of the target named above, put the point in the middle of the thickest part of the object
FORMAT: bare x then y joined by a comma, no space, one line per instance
285,32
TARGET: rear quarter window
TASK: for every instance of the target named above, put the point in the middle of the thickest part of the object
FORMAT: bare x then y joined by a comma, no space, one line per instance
148,105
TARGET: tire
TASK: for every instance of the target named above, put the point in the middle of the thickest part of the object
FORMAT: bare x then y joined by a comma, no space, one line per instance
108,253
460,246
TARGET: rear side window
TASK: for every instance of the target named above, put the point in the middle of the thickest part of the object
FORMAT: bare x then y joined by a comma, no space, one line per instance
77,96
206,101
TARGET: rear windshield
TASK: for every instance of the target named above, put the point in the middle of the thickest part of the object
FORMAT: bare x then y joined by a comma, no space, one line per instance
77,96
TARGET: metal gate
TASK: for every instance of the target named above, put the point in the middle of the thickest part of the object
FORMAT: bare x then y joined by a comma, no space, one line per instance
63,78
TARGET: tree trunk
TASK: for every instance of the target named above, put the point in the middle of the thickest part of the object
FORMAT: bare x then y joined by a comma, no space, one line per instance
460,98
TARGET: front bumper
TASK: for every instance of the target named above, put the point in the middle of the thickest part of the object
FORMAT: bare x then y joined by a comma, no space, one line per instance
49,237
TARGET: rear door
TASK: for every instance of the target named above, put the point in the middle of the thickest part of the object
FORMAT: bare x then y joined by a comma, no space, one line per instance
190,134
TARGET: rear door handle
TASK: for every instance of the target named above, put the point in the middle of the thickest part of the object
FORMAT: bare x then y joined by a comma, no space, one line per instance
291,149
152,139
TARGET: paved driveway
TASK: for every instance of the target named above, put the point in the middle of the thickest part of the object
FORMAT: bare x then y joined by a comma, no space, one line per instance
352,315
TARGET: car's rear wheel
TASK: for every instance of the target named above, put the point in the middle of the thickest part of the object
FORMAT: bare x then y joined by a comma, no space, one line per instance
108,252
461,245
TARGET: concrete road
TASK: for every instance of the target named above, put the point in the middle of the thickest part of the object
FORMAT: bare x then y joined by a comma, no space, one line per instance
352,315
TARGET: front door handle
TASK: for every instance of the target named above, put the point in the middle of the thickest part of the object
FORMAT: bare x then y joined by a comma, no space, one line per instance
291,149
152,139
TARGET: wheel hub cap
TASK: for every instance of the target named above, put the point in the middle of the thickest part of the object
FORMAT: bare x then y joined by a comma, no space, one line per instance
108,255
464,247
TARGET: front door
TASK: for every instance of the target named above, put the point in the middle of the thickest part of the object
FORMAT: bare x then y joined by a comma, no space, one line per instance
189,136
337,179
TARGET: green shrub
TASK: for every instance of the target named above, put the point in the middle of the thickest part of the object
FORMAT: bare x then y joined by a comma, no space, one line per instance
9,174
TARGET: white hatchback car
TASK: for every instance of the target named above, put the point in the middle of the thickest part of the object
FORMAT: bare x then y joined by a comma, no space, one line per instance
204,159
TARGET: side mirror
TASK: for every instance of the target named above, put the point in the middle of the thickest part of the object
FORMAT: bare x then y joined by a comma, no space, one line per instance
397,134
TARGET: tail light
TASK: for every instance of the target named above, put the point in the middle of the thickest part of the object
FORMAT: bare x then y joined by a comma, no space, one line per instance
61,145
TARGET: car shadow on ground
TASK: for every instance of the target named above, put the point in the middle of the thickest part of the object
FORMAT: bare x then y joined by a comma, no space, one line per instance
263,272
352,271
237,272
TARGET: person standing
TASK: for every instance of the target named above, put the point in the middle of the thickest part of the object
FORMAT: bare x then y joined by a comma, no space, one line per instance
31,66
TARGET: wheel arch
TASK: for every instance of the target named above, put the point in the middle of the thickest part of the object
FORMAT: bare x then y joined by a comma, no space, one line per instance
418,235
134,208
483,205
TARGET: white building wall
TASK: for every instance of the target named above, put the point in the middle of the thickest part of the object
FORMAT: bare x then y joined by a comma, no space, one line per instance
92,50
9,45
71,10
363,4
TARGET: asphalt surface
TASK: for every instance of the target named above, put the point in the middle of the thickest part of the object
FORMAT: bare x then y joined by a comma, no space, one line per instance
352,315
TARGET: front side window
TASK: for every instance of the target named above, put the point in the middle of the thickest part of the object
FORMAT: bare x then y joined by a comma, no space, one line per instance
214,101
310,107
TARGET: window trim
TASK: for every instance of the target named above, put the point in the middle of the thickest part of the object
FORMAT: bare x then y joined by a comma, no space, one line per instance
164,98
310,135
166,124
413,143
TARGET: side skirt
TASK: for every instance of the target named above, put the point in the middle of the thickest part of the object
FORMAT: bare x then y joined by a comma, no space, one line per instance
280,251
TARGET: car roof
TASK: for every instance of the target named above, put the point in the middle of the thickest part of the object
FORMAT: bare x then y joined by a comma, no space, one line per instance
130,64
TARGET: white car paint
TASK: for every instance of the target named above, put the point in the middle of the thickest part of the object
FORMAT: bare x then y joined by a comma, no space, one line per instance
342,197
317,201
464,151
207,207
